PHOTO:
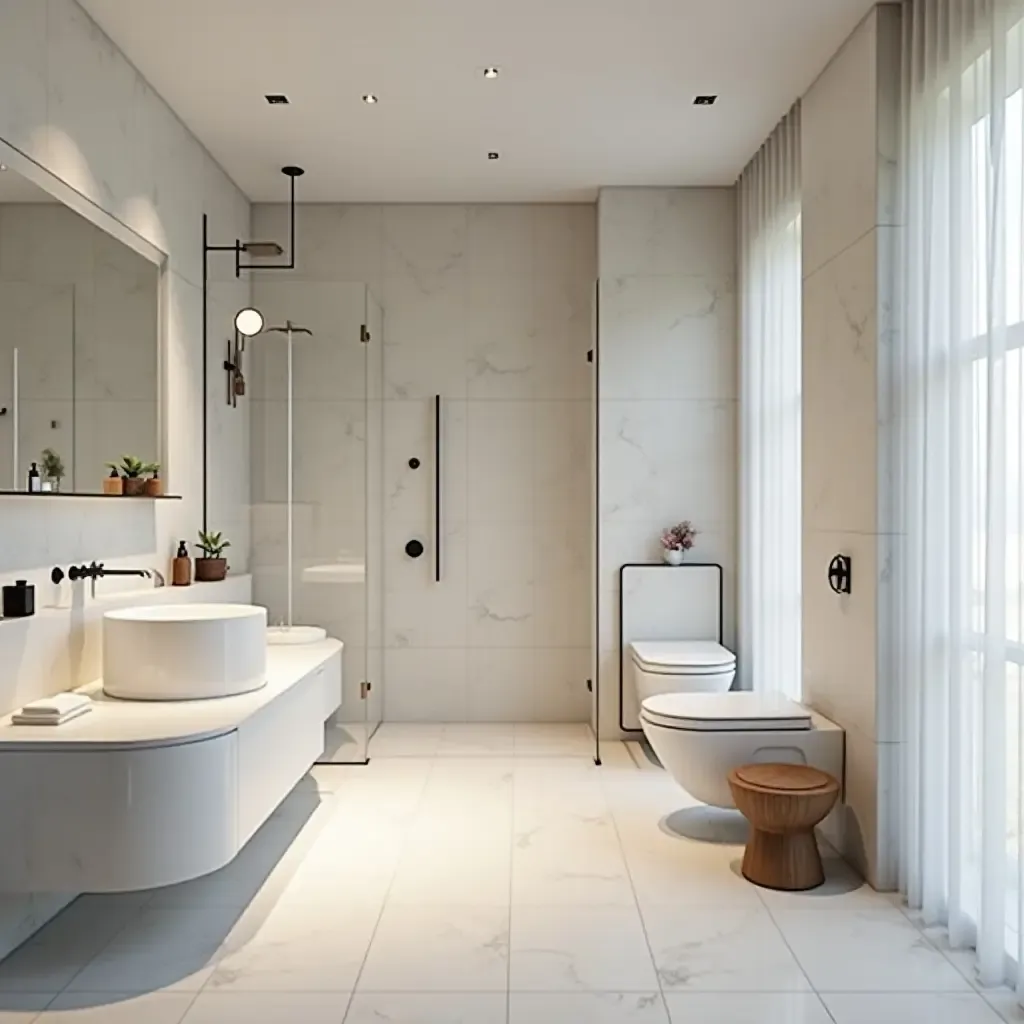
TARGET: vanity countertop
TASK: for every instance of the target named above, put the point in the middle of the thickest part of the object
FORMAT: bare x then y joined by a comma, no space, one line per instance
126,724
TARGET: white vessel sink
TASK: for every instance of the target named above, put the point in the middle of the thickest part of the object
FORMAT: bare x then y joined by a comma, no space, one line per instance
184,651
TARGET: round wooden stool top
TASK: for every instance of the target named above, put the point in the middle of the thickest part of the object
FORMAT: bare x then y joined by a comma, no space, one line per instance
784,801
783,779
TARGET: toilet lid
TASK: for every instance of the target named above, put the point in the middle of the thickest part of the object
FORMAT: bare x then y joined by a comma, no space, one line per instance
737,711
682,657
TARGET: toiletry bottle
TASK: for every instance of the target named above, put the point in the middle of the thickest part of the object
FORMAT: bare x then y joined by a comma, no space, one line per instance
19,601
35,483
181,574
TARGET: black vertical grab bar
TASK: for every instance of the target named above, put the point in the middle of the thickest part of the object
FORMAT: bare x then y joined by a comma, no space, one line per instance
437,488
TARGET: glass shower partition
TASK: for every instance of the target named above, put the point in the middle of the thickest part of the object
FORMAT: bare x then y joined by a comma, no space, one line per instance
337,427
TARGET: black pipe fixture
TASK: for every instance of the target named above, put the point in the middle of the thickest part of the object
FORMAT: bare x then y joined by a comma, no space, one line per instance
235,349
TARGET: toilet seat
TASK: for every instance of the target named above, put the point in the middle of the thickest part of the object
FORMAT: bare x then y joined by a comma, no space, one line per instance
682,657
737,711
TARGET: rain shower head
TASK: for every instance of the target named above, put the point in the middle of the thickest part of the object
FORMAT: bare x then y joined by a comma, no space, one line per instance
262,250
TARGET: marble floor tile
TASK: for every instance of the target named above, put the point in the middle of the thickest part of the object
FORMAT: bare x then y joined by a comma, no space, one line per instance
723,949
588,1007
298,948
22,1007
866,951
844,889
748,1008
579,948
267,1008
449,948
472,739
901,1008
90,1008
427,1008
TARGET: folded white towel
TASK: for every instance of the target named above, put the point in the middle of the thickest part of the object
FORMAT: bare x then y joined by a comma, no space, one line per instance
50,720
56,706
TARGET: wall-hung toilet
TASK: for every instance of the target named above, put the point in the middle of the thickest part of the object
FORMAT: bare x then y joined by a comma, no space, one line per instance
700,730
701,737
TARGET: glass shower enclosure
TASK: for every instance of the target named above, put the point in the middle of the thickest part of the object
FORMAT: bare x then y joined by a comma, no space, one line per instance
336,431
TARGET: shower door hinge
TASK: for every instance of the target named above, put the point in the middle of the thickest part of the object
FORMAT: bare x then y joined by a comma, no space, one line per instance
590,355
364,334
364,689
590,686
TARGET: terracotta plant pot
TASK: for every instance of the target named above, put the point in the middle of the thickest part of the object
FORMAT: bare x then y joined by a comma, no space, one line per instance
154,487
134,486
211,570
113,485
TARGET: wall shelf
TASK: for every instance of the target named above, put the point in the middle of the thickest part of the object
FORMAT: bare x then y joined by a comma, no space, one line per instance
88,494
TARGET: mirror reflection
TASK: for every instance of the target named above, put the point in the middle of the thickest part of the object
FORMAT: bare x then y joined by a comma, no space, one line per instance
79,344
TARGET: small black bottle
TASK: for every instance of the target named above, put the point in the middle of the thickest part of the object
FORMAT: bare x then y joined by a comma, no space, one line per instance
19,601
35,483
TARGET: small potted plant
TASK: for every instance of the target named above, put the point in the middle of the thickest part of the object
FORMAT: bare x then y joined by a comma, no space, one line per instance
52,468
677,540
211,568
154,486
131,469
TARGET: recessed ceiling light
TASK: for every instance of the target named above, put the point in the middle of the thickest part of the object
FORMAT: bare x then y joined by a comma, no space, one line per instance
704,101
492,155
277,99
492,72
370,98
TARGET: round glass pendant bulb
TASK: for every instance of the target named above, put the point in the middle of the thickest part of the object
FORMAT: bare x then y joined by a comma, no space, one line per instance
249,321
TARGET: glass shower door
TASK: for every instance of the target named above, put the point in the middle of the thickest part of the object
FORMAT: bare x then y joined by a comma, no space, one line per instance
330,408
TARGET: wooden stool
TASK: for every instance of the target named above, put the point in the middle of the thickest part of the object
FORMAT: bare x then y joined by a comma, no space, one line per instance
783,803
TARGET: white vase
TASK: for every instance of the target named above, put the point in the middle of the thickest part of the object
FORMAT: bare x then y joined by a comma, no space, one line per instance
673,557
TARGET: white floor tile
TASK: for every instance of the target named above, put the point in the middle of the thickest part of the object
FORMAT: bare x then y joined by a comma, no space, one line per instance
450,948
22,1008
844,889
901,1008
579,948
749,1008
472,739
720,950
866,951
267,1008
587,1008
298,948
427,1008
89,1008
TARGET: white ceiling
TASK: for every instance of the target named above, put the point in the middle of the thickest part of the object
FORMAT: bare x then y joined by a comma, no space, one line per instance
592,92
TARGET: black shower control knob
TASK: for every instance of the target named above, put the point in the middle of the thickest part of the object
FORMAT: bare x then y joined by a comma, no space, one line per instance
414,549
414,463
57,574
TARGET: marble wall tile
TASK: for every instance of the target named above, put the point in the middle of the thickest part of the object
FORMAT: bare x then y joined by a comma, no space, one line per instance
501,684
23,56
425,685
669,337
839,161
501,337
840,388
668,461
655,231
490,307
501,584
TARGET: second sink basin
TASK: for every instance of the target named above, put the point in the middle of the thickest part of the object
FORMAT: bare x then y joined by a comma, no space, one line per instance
184,651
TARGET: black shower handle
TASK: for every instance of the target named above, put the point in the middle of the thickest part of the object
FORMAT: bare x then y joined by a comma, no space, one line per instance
414,549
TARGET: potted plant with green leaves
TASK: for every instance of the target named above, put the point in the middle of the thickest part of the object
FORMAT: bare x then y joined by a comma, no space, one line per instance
131,470
154,486
52,467
212,567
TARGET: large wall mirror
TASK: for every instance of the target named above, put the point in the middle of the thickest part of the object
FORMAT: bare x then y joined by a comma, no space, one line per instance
79,347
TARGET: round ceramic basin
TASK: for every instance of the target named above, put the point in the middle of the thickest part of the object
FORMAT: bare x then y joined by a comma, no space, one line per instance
184,651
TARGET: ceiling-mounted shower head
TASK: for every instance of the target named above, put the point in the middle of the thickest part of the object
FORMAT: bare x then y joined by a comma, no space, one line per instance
263,250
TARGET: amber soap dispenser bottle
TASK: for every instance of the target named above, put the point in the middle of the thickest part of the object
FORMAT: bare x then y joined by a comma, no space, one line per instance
181,574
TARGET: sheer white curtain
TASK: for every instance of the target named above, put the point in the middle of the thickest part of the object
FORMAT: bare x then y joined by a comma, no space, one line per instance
770,306
959,444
